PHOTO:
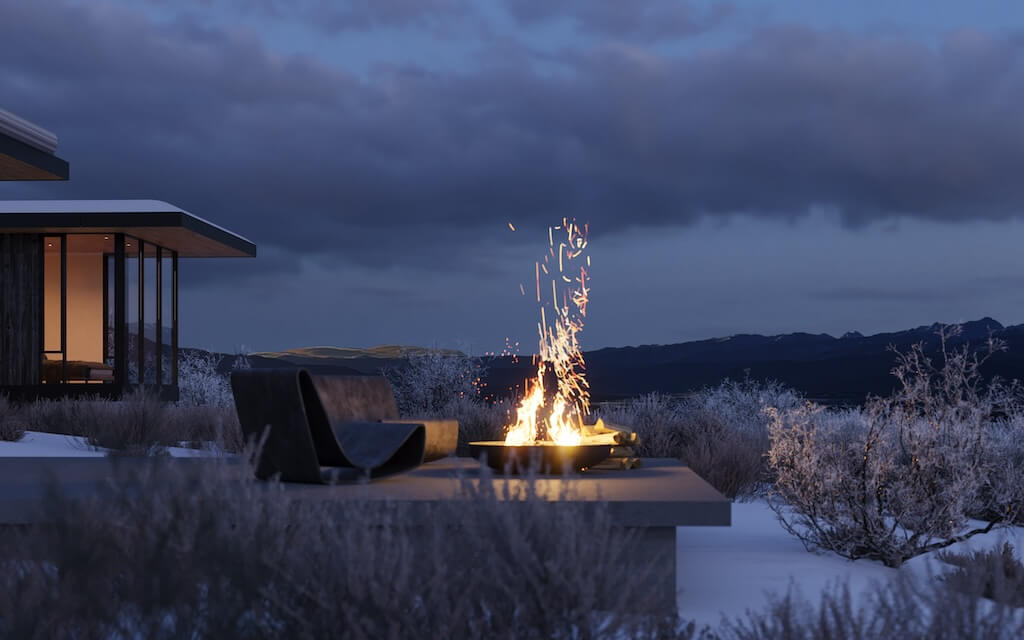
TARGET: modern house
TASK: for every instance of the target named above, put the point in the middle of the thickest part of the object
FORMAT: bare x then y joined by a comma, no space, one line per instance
27,151
89,293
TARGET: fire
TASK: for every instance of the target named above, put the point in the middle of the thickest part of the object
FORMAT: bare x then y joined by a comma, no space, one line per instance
556,415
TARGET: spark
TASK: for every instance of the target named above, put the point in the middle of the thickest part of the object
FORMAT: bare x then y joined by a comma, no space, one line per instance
556,415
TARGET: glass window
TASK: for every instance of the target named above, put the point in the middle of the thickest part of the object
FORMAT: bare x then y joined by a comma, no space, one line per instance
53,321
131,307
75,318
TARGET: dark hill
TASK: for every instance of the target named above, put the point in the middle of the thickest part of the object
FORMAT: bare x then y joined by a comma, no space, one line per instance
838,370
841,370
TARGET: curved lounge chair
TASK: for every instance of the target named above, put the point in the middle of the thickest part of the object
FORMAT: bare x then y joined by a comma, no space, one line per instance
369,398
303,444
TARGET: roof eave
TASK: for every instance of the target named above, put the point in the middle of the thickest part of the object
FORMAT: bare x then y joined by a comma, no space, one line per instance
20,161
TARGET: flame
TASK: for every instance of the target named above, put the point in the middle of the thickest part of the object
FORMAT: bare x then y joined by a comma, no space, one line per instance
561,420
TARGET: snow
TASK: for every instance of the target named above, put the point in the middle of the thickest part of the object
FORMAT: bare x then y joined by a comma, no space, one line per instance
725,571
37,444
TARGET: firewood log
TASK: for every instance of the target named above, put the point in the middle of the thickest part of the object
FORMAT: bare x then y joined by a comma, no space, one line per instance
622,435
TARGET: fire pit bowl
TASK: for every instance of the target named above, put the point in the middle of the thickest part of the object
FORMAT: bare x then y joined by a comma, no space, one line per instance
541,458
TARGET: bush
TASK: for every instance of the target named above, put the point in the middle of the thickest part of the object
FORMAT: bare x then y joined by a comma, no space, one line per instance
50,416
436,385
1006,439
902,608
996,574
201,427
139,424
431,384
720,432
185,552
478,420
903,477
201,385
12,428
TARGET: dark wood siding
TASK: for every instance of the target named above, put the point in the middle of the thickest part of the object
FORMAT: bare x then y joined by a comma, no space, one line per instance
21,292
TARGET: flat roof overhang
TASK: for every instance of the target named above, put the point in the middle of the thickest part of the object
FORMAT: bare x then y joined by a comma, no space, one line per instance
20,161
152,221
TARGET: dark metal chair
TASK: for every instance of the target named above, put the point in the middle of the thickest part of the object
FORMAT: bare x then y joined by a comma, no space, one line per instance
370,398
304,442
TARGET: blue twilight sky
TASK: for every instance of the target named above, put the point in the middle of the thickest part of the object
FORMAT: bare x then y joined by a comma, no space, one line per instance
746,166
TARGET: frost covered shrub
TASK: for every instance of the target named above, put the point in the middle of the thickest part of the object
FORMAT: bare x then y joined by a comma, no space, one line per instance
51,416
437,385
137,425
720,432
903,477
204,427
1007,444
181,551
479,420
201,385
901,608
12,428
429,384
996,574
658,420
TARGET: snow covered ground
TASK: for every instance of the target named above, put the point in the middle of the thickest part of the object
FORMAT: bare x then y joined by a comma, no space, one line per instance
728,570
37,444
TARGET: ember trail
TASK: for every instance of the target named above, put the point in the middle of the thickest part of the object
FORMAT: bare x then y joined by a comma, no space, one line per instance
558,397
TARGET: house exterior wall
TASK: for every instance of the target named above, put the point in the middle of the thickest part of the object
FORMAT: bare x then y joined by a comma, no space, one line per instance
21,279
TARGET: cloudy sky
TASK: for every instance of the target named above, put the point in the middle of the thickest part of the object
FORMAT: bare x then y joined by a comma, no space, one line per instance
746,166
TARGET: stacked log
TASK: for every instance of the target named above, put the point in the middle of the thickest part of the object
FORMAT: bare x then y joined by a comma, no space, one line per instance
623,440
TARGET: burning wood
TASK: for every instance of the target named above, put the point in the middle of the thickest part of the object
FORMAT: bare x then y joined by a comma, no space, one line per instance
558,397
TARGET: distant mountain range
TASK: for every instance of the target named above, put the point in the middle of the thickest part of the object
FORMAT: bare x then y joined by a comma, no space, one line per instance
834,370
839,370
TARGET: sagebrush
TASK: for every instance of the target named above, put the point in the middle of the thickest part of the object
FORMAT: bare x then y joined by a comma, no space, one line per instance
181,550
996,574
903,476
444,385
721,432
200,384
138,424
431,383
905,608
12,425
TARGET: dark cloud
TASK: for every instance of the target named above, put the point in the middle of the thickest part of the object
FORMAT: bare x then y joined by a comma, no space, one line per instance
873,294
976,287
413,166
642,19
337,16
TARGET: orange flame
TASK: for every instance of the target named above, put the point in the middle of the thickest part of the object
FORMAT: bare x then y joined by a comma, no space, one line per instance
561,420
